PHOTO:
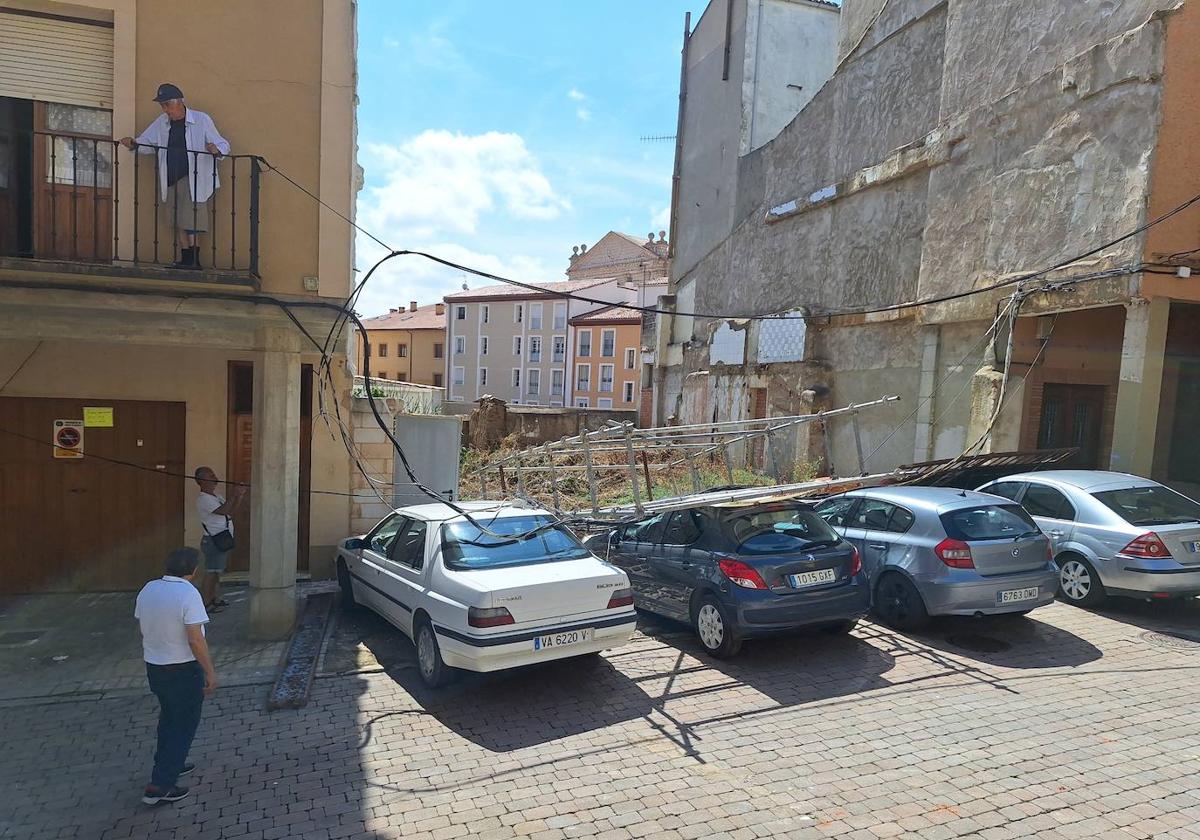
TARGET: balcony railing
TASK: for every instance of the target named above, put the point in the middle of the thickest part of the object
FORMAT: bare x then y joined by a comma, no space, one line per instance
79,199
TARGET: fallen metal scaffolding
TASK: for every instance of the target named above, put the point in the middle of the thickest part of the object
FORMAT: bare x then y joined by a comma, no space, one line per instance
621,448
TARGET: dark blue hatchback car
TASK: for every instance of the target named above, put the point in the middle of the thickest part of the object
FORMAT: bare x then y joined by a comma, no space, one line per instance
738,571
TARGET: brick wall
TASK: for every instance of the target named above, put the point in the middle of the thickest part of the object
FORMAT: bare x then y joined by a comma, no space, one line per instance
377,459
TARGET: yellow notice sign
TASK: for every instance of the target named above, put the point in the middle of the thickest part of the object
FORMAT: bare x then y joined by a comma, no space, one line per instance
98,417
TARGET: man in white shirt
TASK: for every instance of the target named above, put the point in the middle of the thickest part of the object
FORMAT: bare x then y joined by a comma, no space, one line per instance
181,137
216,515
178,668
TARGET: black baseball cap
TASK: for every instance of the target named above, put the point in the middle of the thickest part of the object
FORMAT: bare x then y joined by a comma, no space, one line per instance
168,91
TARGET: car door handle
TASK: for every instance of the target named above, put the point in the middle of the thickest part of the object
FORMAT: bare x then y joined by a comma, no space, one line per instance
686,564
1057,534
877,546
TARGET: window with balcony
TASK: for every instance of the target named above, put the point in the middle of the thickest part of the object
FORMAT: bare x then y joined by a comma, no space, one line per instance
585,344
606,378
630,357
583,377
557,382
533,382
608,343
535,348
560,315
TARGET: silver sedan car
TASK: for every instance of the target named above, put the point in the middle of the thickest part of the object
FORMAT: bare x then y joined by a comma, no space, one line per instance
939,551
1113,533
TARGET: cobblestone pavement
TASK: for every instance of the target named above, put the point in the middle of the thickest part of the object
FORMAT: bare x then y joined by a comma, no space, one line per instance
88,644
1064,724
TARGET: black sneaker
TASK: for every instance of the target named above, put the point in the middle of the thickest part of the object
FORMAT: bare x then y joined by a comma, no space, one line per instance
153,795
187,768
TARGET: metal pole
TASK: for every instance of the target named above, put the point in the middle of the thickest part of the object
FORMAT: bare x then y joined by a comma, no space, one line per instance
828,444
591,473
553,477
503,483
695,474
520,478
728,451
633,476
646,470
858,446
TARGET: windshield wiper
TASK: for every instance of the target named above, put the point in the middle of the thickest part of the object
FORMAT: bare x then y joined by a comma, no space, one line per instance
1026,535
819,544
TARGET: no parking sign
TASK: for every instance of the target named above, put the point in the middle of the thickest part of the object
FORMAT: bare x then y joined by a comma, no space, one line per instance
68,439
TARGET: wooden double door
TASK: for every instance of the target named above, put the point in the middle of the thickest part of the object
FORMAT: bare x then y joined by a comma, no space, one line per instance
102,522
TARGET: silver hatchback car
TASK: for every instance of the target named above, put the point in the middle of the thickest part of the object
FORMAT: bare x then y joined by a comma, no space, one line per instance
939,551
1113,533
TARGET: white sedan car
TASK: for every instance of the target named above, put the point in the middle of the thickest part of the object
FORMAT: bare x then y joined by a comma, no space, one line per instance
482,600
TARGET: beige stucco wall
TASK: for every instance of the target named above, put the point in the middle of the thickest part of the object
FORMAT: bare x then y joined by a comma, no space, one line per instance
197,377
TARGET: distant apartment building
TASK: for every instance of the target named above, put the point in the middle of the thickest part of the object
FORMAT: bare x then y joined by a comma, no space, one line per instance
407,345
608,345
509,342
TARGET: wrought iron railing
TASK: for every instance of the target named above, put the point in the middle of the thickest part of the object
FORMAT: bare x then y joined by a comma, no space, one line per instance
86,199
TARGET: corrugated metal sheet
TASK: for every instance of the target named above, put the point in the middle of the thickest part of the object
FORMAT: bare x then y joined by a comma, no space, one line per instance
56,60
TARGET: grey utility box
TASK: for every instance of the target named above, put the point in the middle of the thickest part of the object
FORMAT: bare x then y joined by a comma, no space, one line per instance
431,442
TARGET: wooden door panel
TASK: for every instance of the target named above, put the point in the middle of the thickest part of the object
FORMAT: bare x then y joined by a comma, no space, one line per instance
1073,416
89,524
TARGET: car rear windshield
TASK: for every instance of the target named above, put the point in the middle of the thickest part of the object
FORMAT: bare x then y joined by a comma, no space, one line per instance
988,522
1154,505
465,547
778,530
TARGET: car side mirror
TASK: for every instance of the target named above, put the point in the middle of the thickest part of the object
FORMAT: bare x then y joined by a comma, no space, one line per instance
355,544
614,538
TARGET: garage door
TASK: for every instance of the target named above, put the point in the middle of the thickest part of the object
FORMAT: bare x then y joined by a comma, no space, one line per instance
70,525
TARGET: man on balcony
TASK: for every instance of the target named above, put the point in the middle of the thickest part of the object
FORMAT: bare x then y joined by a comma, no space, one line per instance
188,146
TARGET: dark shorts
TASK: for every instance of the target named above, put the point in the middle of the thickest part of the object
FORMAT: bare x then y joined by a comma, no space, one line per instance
215,560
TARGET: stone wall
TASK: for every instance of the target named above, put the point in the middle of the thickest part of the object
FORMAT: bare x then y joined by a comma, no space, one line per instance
377,458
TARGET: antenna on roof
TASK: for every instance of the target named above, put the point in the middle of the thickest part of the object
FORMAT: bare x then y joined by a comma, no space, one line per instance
656,138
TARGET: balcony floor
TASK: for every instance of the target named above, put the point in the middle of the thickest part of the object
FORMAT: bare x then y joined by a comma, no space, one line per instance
129,271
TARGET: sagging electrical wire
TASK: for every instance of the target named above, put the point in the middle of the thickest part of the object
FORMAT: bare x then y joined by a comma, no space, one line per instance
1001,284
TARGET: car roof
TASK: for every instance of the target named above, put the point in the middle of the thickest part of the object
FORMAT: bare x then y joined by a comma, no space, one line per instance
442,512
1086,480
931,498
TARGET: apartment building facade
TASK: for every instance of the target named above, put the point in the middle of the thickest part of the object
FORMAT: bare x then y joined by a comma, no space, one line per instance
120,374
407,345
608,347
517,345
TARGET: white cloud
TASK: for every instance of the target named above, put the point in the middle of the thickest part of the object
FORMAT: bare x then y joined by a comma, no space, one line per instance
661,219
454,195
577,95
583,113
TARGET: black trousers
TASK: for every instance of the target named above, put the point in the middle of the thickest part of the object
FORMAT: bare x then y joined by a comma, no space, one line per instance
180,692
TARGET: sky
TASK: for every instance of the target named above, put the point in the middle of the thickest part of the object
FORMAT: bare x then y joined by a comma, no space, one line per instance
500,134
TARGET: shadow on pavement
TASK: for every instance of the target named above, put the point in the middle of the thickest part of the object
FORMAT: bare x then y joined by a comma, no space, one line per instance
1007,641
500,711
1180,615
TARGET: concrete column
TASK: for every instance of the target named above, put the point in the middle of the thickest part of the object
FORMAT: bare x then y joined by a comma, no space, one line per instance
927,398
1140,388
275,480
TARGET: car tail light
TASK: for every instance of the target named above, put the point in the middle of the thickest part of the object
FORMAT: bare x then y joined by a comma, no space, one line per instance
855,561
488,616
621,598
955,553
741,573
1147,547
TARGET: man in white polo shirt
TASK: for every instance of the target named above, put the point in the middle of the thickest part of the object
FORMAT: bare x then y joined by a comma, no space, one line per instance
178,667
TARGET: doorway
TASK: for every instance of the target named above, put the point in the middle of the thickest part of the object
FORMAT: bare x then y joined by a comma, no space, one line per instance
1072,416
1185,454
239,450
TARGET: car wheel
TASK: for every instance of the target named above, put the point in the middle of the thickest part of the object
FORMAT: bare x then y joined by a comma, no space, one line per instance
1078,582
841,628
434,671
347,590
899,604
714,630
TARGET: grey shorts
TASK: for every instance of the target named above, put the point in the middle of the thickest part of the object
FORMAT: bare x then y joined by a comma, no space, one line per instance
214,560
179,212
